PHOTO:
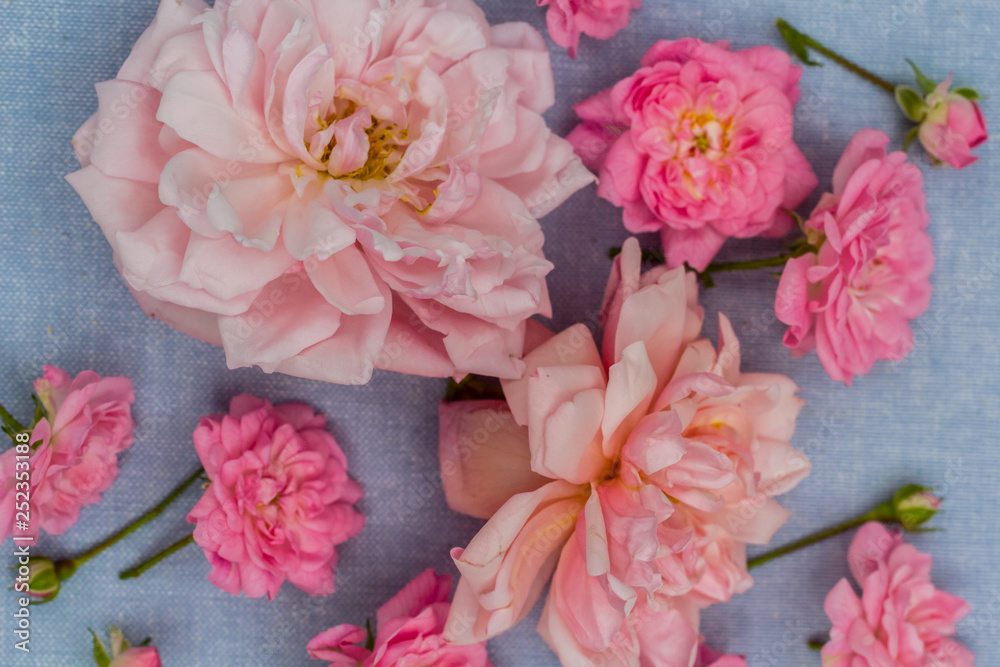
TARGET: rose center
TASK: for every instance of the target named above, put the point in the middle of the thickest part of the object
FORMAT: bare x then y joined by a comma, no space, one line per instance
385,146
702,134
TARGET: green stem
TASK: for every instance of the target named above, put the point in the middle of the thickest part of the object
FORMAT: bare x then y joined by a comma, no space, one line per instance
139,569
885,513
816,644
799,249
839,59
138,523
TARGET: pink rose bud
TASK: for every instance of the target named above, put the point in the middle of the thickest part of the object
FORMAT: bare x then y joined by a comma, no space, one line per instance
915,506
123,654
43,579
951,122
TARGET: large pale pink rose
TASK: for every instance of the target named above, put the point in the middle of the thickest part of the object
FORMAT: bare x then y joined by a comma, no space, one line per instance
641,471
410,627
697,145
87,423
279,501
901,619
954,125
567,19
853,300
325,187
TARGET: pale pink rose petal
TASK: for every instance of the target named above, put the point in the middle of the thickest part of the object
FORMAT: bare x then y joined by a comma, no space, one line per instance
502,577
484,456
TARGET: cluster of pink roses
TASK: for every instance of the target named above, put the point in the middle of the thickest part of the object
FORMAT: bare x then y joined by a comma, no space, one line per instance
324,202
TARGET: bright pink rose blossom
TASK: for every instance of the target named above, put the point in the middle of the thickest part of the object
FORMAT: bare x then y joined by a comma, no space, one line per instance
639,472
566,19
697,145
410,627
279,501
853,300
323,188
87,423
953,127
901,619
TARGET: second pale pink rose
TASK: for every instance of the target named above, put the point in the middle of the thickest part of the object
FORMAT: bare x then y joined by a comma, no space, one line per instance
636,472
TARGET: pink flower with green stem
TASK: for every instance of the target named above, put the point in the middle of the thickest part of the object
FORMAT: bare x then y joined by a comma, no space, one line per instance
950,123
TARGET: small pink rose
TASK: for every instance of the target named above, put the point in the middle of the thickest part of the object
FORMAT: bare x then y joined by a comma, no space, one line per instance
901,618
410,628
279,500
853,300
697,145
87,423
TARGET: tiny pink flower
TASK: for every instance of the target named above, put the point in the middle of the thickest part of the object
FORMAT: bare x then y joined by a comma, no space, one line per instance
635,472
601,19
853,300
87,423
953,127
901,619
410,628
279,500
697,145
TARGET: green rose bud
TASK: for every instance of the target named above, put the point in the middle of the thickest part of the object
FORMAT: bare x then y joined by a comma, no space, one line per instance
914,506
43,579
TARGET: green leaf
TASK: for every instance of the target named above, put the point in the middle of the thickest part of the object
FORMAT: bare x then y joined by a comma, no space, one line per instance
39,411
926,83
968,93
101,656
796,42
370,642
912,103
9,423
910,137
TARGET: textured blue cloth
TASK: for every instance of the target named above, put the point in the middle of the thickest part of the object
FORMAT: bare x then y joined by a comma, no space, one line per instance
932,419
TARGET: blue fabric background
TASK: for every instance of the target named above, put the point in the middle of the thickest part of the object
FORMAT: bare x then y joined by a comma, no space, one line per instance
932,419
